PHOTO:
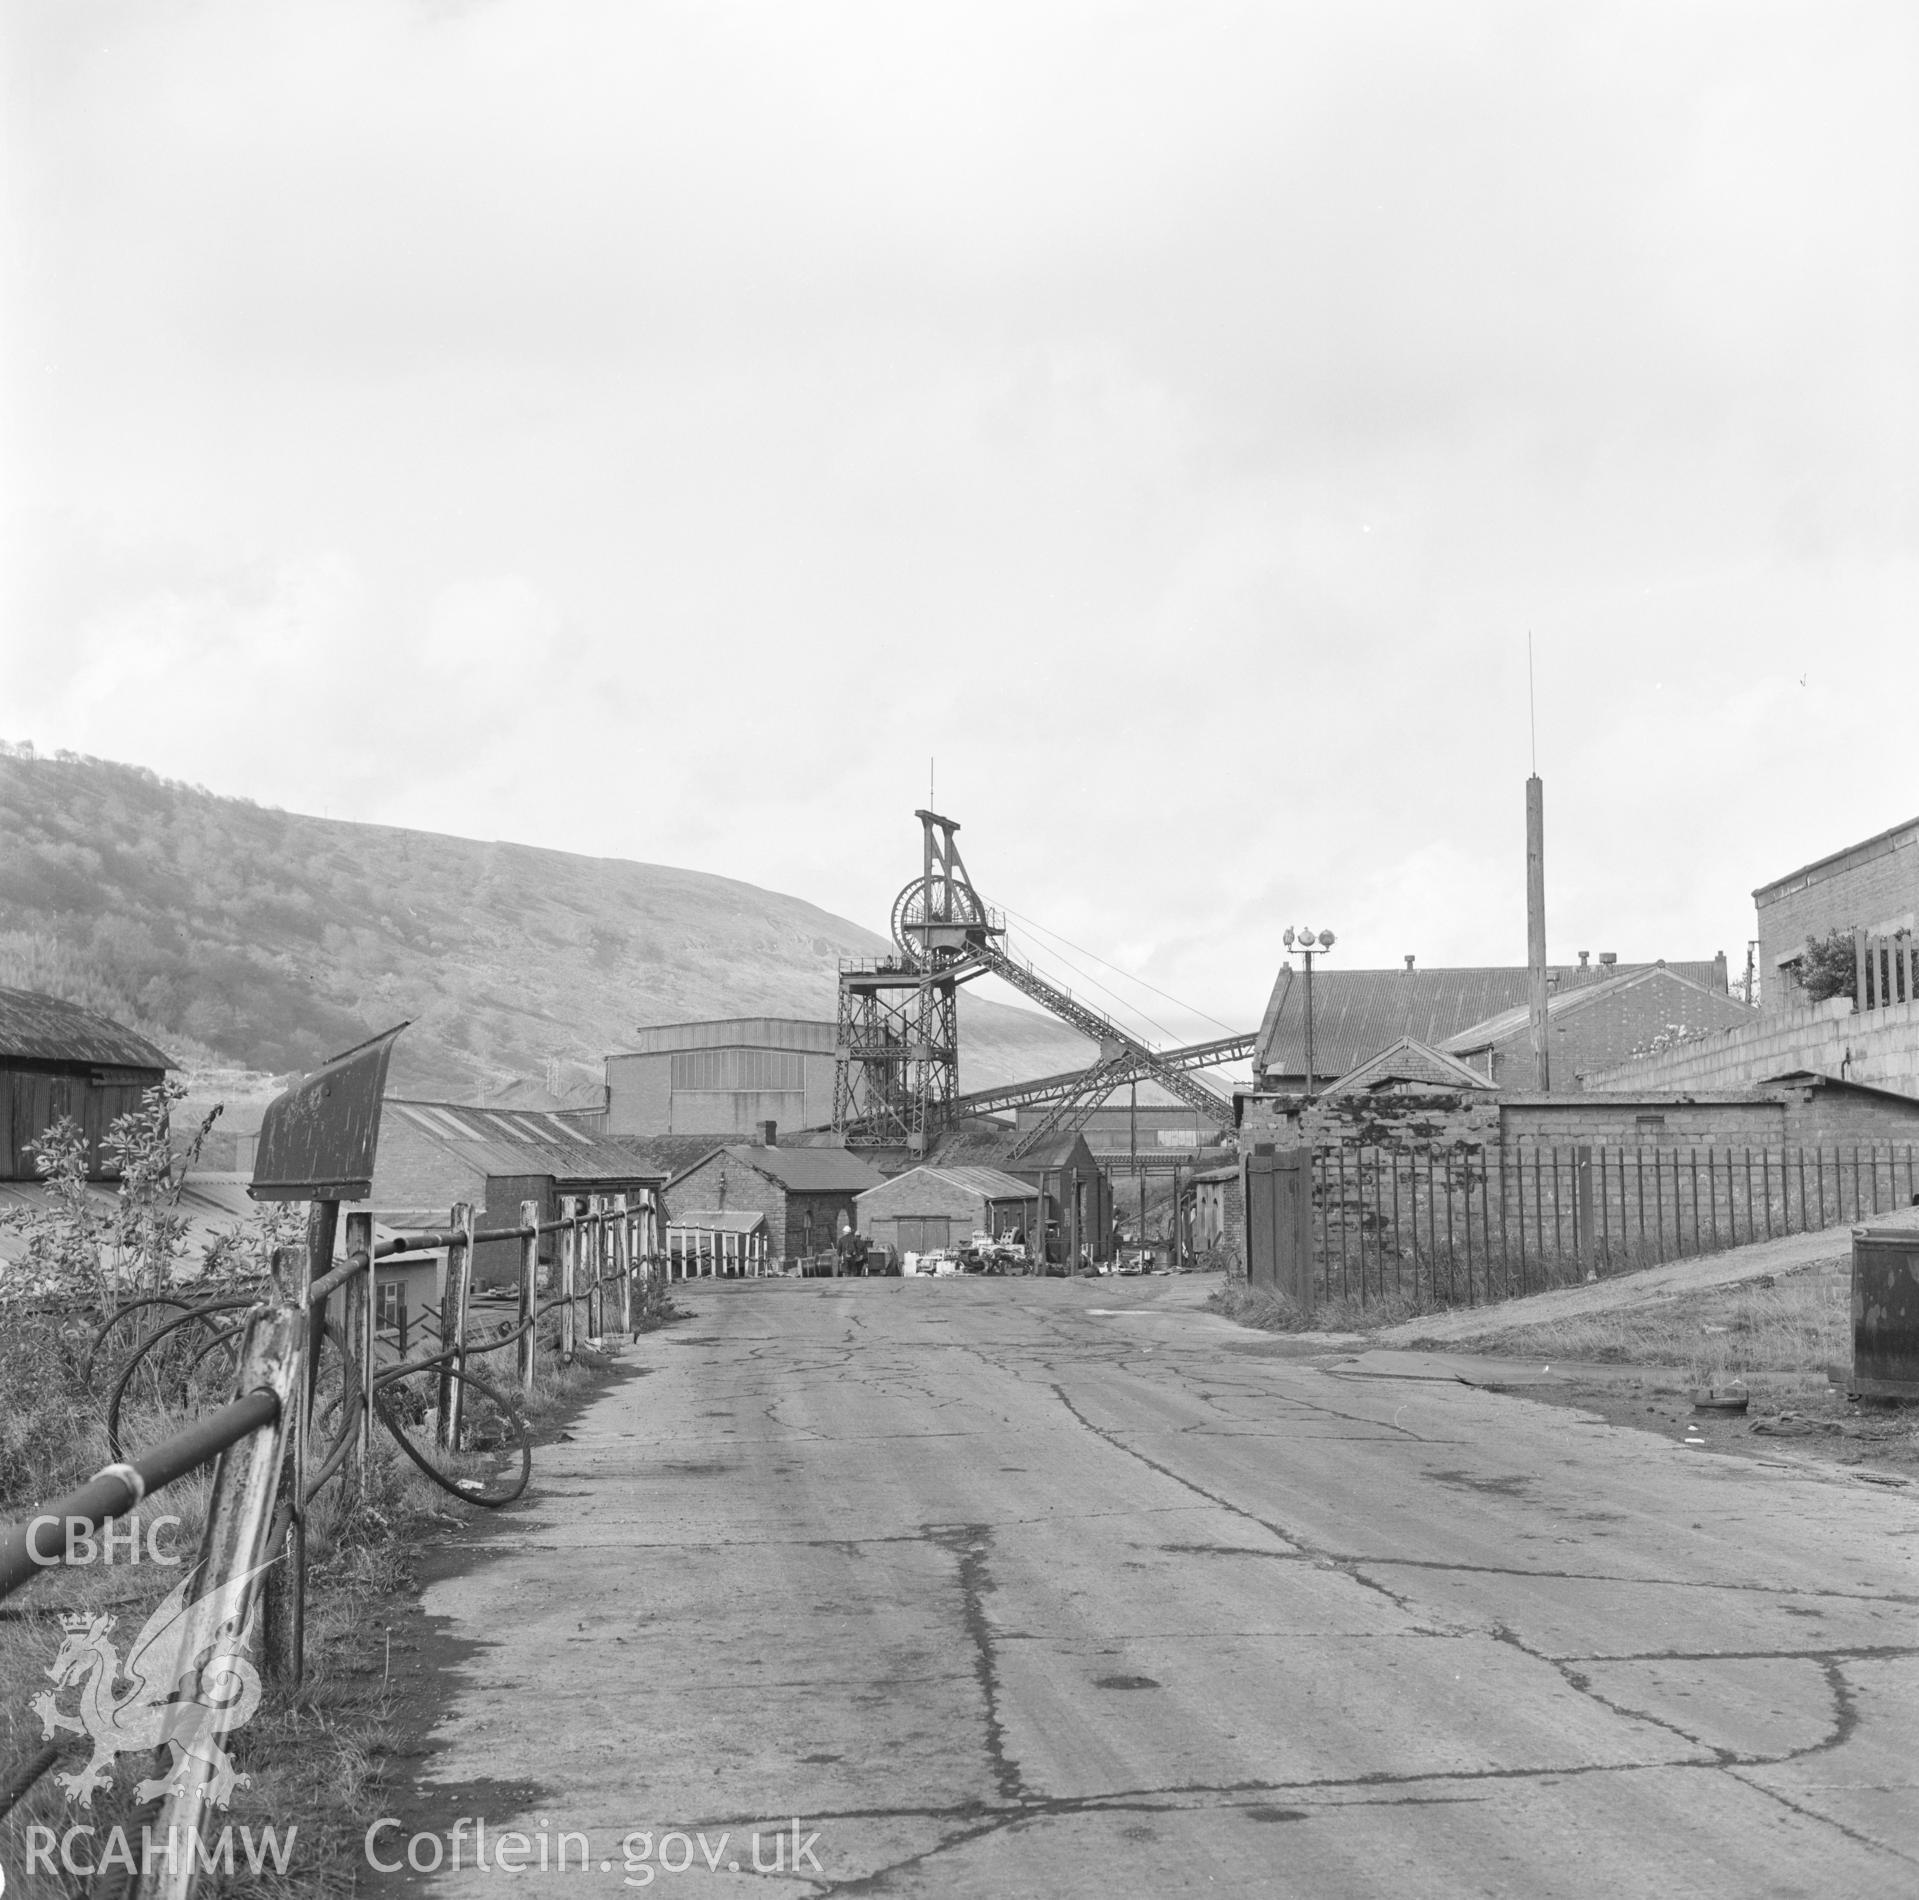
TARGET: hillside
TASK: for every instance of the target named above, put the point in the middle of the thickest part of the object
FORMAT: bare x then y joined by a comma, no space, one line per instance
234,933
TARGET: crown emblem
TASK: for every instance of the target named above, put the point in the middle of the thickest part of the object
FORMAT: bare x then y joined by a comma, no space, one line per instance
75,1622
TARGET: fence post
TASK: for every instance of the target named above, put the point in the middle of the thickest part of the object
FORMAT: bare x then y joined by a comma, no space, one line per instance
569,1270
234,1548
323,1220
359,1332
529,1289
459,1275
1583,1208
623,1261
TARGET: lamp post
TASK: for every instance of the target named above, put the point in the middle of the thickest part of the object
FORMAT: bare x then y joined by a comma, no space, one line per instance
1309,944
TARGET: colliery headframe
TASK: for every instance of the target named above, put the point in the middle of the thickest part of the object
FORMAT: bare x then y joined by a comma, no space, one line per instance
896,1080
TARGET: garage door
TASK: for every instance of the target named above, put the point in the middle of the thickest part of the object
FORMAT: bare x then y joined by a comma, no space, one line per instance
921,1233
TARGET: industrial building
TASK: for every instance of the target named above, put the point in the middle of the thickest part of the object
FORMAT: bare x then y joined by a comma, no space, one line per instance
433,1154
721,1078
1357,1013
929,1207
1594,1026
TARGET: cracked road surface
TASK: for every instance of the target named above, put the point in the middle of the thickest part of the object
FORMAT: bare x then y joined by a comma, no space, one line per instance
1059,1588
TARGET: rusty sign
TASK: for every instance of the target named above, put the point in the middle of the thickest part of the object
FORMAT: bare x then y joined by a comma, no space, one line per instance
317,1140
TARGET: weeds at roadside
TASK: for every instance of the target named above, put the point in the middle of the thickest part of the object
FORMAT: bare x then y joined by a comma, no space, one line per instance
316,1753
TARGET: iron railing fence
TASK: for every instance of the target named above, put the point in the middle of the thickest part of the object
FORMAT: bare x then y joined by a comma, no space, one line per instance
1463,1224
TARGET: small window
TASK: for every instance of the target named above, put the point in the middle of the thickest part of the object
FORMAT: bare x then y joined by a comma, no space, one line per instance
1649,1124
390,1310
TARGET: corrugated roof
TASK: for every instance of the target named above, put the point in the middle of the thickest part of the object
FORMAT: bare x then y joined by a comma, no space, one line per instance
989,1183
1357,1013
41,1028
505,1141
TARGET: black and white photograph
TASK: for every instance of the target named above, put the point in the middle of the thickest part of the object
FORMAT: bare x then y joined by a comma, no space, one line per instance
963,952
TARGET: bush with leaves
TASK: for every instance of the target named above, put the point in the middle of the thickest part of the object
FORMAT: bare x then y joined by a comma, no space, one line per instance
82,1247
1828,967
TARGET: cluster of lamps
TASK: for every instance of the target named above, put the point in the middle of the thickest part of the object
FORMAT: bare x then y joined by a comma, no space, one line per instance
1307,942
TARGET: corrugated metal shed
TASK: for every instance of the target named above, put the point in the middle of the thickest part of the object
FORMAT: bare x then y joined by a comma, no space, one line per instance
736,1032
36,1028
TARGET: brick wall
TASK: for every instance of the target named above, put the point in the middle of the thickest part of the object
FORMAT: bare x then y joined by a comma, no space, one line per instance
1605,1032
721,1181
1874,886
1879,1048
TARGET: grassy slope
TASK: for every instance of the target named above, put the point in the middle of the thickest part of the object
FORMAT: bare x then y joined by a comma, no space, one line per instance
272,939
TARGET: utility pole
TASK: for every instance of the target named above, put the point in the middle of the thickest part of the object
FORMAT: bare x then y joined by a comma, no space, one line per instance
1536,931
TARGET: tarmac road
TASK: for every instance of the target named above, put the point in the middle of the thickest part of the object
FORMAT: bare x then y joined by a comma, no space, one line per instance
1057,1588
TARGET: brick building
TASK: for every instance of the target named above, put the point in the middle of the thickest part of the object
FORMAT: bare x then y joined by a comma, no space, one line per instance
1075,1193
1870,886
806,1194
1357,1013
1598,1025
928,1207
56,1060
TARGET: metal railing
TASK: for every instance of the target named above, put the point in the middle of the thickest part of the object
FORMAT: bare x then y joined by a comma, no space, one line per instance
253,1548
1461,1224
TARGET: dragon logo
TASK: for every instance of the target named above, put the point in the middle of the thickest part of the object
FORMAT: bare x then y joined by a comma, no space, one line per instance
187,1679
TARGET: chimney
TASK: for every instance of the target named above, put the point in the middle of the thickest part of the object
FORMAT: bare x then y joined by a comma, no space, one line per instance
1536,931
1585,965
1409,965
1720,979
1608,960
769,1134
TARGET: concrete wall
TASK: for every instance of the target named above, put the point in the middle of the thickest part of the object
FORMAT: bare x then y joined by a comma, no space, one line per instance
1874,886
1879,1047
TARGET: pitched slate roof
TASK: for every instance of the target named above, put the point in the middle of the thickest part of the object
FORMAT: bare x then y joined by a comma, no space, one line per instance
1357,1013
1409,1060
41,1028
799,1170
1571,1002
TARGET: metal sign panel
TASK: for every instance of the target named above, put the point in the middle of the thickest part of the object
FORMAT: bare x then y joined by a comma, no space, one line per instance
317,1141
1885,1312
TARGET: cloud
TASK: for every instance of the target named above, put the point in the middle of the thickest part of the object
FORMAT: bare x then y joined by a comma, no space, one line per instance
1171,418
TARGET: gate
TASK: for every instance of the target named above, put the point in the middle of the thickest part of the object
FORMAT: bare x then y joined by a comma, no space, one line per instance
1277,1192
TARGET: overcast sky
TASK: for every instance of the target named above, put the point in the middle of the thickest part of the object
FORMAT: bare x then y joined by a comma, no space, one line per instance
654,430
